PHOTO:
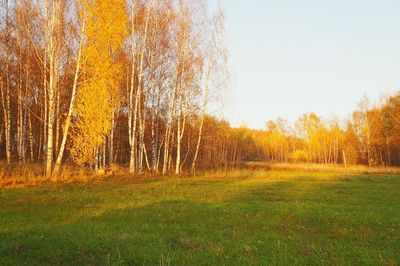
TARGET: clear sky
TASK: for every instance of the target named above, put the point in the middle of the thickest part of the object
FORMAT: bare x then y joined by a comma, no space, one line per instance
289,57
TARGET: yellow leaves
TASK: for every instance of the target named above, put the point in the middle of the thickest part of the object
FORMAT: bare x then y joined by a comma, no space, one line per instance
298,156
107,24
105,34
94,111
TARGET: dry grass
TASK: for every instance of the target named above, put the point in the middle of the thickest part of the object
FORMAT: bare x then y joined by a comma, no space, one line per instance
332,168
25,175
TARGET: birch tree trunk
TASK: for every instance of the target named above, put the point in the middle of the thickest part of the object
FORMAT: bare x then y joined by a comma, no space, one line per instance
167,136
53,46
179,134
168,131
30,137
181,120
134,117
141,137
203,112
57,118
5,93
20,147
153,133
111,139
71,105
131,136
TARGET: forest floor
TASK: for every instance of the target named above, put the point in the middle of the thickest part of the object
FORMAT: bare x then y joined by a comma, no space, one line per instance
249,217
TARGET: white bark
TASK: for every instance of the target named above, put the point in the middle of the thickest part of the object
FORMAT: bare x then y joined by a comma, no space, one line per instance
111,139
53,48
5,96
181,116
203,112
30,137
138,96
71,105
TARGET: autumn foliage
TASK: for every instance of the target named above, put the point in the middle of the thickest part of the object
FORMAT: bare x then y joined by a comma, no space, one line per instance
102,82
370,136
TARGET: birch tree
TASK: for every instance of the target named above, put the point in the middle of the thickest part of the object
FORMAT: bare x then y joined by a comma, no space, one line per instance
52,12
135,96
67,124
5,82
214,71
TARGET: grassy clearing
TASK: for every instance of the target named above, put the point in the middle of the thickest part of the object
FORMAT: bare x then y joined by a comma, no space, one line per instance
252,217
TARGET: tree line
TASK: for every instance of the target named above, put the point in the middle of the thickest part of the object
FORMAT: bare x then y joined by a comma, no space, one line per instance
370,136
98,82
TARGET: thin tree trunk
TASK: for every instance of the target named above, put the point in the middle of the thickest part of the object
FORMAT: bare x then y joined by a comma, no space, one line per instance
203,113
168,130
53,78
153,132
131,95
71,105
45,109
111,139
146,158
159,155
30,137
19,102
141,138
5,96
179,131
389,159
178,134
139,89
187,153
57,119
104,152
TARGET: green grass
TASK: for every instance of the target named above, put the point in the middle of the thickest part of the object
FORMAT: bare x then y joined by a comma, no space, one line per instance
262,218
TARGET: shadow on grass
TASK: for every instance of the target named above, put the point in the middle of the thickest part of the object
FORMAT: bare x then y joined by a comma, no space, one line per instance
191,222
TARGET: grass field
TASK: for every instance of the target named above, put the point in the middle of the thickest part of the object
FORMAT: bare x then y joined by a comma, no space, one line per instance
251,217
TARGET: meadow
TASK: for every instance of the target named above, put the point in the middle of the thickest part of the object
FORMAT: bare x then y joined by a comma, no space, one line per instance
247,217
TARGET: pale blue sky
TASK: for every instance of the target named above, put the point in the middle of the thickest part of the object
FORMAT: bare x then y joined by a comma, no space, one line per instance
294,56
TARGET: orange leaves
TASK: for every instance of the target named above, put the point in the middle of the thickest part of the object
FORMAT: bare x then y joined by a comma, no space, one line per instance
107,24
96,97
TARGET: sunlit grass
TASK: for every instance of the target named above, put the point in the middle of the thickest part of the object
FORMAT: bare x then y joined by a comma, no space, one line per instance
330,168
255,217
